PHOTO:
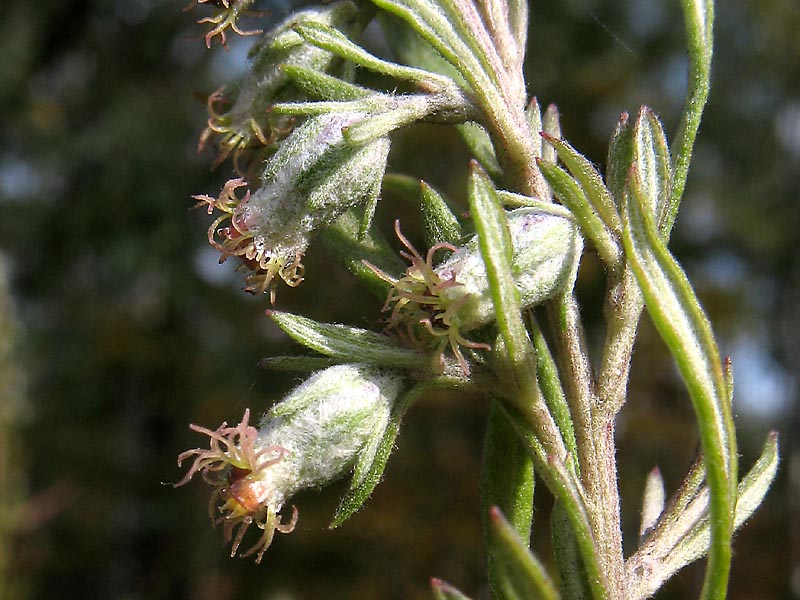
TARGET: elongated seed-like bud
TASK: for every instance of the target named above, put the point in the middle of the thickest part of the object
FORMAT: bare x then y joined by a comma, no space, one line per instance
315,177
453,298
310,439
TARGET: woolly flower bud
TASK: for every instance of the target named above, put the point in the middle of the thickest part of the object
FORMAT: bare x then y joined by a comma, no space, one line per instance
248,123
309,182
311,438
454,298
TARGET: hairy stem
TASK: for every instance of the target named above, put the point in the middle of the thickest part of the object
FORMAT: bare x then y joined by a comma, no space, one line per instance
595,441
622,311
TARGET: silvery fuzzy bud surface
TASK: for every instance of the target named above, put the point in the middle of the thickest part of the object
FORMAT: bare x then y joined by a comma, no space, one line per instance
248,122
546,248
454,297
314,177
311,438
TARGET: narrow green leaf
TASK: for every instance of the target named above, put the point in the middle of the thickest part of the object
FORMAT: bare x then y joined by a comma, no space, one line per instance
507,484
405,187
539,124
348,343
727,368
345,242
538,431
685,329
519,575
568,493
553,392
590,180
620,157
680,515
652,162
328,38
574,583
519,354
472,29
698,16
367,213
456,31
304,364
395,112
435,27
367,475
444,591
507,478
662,556
410,48
515,200
480,146
495,245
366,104
441,225
570,193
551,126
369,470
518,21
533,113
565,487
751,492
321,85
506,22
653,500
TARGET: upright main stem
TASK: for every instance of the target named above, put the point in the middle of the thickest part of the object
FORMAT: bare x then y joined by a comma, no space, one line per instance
594,428
605,513
594,432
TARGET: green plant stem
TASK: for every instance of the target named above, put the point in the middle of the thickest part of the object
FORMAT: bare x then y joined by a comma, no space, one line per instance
594,433
605,507
503,102
622,311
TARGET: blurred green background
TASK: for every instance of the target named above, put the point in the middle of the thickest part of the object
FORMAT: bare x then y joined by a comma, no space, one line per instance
118,328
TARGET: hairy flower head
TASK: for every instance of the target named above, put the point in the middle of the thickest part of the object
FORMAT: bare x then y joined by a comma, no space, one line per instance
235,465
438,304
313,437
313,178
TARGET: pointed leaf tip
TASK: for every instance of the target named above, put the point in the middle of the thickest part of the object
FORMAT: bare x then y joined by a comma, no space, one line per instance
517,572
349,344
444,591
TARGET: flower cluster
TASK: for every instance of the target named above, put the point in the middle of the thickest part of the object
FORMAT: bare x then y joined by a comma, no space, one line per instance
241,125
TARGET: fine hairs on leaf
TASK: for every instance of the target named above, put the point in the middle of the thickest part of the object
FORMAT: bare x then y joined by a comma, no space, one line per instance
487,309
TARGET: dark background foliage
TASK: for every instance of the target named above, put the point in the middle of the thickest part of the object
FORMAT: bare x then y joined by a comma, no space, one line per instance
124,329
